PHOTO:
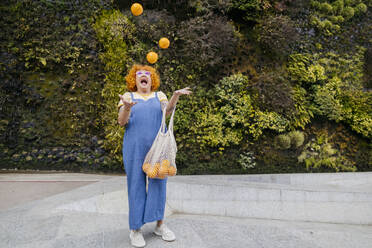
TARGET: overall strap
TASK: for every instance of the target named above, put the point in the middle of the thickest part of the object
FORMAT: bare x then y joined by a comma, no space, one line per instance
156,95
131,95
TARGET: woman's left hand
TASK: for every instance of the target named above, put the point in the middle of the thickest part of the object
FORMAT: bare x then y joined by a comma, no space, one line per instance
184,91
173,101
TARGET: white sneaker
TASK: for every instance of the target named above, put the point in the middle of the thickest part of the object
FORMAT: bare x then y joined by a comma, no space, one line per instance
136,238
164,232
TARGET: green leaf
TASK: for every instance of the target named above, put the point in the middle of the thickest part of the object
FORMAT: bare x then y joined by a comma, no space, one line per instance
43,61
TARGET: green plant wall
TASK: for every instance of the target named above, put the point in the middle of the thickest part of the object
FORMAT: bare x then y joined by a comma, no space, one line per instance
278,86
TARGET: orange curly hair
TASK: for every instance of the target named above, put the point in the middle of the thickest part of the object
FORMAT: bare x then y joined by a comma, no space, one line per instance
131,77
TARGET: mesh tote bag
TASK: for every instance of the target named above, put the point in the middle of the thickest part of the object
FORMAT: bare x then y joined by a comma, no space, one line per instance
160,161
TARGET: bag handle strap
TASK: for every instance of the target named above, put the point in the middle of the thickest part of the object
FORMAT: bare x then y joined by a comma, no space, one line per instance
171,119
163,125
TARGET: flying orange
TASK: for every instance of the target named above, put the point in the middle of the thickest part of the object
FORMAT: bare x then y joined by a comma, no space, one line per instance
164,43
152,57
136,9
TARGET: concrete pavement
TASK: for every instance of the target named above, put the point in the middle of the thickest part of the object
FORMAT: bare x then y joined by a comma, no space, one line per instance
90,210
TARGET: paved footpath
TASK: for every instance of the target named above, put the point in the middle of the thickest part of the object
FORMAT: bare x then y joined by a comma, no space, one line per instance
91,210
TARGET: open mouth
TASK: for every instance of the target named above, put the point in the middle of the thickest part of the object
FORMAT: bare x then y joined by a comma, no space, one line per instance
144,81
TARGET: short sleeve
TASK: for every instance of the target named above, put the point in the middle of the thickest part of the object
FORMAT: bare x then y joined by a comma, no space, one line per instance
162,96
126,98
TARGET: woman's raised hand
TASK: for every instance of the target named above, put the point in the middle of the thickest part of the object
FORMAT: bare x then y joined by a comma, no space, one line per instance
184,91
127,105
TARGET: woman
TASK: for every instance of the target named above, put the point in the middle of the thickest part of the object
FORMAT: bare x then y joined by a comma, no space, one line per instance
140,111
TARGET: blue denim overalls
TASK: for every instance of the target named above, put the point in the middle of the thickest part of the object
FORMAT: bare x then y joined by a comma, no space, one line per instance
142,128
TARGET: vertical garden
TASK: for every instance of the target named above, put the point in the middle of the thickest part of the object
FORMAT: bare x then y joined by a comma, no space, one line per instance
278,86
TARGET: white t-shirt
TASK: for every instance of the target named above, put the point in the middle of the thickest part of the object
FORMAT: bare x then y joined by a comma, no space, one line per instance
127,97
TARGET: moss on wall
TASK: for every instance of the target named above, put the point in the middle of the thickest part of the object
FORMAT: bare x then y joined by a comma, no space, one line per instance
255,108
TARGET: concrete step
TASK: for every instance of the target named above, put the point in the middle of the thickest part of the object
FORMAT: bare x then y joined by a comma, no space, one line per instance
330,197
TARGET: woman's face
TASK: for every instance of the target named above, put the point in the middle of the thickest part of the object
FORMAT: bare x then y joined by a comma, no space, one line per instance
143,80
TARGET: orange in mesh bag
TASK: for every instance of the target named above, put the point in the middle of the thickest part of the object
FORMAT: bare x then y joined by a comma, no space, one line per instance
160,161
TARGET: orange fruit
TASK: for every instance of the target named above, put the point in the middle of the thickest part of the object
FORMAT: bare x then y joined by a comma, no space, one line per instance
152,57
165,163
136,9
145,167
161,176
172,170
164,43
152,172
157,166
163,170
